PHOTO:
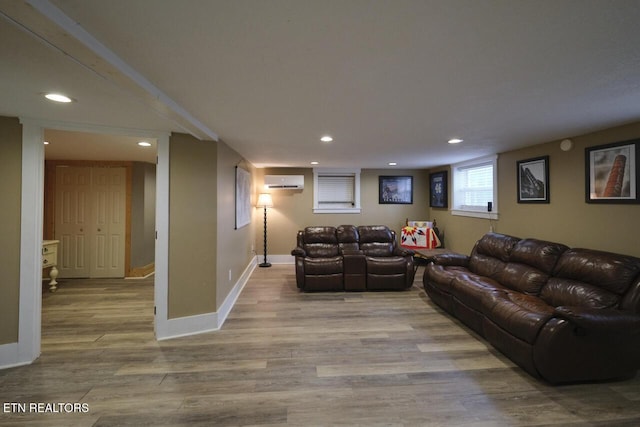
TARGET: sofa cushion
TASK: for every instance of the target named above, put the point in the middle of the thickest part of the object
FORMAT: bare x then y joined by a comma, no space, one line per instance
521,315
348,238
523,278
559,292
442,276
386,265
612,272
531,261
376,240
490,255
488,266
496,246
320,242
539,254
323,266
471,289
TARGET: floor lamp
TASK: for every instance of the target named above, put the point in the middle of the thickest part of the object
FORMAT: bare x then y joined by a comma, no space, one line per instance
265,201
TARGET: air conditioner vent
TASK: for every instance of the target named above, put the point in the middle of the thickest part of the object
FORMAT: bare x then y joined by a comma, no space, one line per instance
284,182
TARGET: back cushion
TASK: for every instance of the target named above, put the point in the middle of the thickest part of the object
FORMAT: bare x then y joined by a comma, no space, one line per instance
490,254
612,272
376,240
574,293
537,253
320,242
530,263
348,237
589,278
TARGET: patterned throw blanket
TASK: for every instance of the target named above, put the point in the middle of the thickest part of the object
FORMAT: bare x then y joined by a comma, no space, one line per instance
419,238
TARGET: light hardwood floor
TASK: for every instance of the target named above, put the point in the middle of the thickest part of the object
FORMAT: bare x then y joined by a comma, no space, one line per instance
285,358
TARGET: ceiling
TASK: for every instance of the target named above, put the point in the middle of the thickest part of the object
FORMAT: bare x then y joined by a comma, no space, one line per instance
391,81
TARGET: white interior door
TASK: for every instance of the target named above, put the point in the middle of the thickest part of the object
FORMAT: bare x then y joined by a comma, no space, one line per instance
109,199
72,201
90,221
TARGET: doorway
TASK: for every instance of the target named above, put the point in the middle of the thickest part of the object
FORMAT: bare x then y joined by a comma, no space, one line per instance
90,221
31,230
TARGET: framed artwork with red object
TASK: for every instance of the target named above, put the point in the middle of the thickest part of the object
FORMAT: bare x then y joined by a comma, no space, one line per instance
611,172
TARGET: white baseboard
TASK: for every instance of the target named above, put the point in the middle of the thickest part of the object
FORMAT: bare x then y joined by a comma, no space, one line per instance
231,299
208,322
279,259
10,357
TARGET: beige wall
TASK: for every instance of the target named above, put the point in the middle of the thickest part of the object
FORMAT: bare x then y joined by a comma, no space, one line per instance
203,242
293,209
10,178
567,218
192,226
234,246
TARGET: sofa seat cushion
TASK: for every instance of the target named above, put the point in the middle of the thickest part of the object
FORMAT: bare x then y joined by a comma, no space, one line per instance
471,289
521,315
442,276
323,266
386,265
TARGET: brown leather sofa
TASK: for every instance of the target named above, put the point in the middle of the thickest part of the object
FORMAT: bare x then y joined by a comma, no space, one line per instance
350,258
565,315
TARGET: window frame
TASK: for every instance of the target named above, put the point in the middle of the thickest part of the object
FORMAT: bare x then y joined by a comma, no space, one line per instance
320,172
455,175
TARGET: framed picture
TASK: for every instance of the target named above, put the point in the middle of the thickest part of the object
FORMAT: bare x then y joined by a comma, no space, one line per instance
611,174
395,190
438,189
533,180
243,197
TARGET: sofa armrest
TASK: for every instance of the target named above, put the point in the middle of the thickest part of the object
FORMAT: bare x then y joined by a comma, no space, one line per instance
451,259
600,320
298,251
403,252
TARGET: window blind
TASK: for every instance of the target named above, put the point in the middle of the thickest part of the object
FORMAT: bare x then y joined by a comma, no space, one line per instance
474,186
336,191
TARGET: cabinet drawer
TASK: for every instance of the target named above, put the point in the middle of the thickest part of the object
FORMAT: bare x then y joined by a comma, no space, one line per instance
49,258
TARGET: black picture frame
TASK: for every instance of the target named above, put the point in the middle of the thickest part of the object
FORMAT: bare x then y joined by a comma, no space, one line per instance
439,189
395,190
533,180
611,174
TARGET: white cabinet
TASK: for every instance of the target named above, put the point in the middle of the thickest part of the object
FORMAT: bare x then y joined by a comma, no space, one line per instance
50,259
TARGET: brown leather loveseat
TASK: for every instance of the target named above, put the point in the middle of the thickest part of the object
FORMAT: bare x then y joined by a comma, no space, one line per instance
350,258
562,314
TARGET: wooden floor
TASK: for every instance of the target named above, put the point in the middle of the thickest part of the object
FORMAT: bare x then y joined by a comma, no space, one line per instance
285,358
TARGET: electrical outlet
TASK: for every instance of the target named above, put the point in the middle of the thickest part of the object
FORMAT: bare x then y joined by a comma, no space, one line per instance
229,274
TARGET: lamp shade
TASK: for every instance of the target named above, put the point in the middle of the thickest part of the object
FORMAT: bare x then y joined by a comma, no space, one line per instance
264,201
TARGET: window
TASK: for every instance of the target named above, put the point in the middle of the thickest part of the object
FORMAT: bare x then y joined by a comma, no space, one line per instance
475,185
336,191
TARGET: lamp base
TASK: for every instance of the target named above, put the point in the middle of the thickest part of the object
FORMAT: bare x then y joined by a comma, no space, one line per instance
264,264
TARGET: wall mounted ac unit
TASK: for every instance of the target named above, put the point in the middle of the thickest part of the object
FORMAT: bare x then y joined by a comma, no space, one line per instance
284,182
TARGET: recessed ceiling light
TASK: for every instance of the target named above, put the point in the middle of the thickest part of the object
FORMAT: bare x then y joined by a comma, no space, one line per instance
455,141
315,163
46,142
144,144
326,138
57,97
392,163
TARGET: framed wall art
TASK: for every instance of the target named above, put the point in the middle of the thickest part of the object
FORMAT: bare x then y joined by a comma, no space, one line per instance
438,190
243,197
395,190
533,180
611,173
